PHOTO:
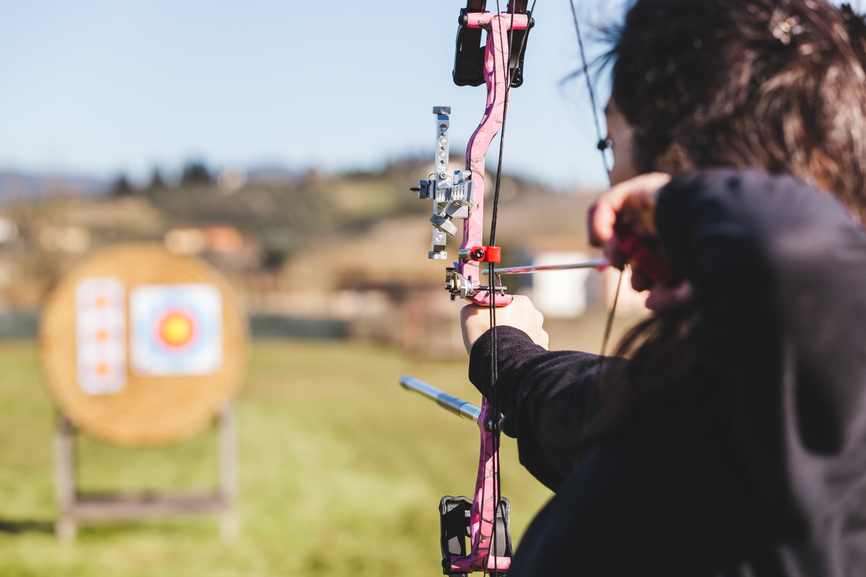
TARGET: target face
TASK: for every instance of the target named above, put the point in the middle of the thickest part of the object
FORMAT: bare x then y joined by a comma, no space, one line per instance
100,335
141,346
175,329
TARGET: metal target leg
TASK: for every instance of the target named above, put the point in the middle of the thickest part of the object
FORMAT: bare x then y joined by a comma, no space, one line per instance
65,478
228,471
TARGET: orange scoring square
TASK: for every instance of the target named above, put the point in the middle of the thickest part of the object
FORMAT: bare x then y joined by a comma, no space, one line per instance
176,330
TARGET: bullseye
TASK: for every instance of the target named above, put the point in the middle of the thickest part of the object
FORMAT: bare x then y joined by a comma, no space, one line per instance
176,330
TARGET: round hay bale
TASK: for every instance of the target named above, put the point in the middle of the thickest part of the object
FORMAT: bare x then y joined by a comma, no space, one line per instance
151,399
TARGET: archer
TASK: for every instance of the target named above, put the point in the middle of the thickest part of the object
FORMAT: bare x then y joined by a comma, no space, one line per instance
727,436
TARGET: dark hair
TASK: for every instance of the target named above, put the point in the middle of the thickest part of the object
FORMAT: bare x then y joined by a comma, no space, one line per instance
776,85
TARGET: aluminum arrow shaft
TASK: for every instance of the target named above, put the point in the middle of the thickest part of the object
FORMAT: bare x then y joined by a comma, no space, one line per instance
546,267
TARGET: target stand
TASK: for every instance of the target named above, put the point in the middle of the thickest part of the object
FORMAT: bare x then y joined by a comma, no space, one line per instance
77,508
140,348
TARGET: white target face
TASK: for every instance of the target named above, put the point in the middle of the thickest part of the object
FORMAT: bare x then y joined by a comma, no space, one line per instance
175,329
100,335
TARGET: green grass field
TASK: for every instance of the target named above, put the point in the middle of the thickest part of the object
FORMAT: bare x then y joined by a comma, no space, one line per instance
341,473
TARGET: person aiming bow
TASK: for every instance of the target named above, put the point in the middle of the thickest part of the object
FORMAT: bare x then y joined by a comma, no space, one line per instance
727,436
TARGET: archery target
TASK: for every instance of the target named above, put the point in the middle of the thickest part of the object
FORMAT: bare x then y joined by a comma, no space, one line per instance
100,335
141,346
176,329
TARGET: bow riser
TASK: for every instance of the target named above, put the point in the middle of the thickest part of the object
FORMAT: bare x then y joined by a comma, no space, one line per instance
496,75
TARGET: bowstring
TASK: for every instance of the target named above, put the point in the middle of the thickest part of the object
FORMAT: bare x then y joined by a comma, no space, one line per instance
602,146
609,324
491,301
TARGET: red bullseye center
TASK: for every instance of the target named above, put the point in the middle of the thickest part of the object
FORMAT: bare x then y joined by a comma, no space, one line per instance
176,329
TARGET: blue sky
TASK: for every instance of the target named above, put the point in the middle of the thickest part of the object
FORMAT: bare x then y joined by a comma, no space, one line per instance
107,86
100,86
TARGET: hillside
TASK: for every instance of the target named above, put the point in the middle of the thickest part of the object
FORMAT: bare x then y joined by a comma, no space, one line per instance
347,245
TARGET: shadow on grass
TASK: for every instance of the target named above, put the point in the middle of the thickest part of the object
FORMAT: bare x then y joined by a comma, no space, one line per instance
163,527
17,527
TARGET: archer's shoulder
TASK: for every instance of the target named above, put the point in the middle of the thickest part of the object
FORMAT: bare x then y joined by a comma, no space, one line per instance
747,193
732,179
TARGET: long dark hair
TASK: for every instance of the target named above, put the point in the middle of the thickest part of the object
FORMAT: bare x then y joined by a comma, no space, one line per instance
777,85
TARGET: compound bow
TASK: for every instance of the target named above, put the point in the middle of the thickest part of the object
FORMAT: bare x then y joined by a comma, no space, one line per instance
460,196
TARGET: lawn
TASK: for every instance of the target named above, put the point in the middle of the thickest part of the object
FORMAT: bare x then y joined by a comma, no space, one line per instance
341,473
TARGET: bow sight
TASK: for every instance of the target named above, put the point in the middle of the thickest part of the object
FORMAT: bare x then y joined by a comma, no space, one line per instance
452,193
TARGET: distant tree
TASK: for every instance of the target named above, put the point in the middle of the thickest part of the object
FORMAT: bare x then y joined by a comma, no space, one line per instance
195,173
122,186
156,180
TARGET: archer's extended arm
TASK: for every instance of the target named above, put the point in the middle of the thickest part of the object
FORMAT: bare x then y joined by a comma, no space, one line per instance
550,393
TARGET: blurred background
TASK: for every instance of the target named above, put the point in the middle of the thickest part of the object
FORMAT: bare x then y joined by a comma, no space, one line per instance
278,142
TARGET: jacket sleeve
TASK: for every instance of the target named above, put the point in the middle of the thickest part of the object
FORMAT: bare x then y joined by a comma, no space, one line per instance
551,394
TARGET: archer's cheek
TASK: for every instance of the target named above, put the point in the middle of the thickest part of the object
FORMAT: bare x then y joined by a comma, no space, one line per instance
663,299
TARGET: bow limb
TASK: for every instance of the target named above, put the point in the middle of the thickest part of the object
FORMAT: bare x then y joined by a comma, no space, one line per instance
483,513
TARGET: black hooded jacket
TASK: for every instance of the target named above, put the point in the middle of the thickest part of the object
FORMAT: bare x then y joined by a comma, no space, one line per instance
761,468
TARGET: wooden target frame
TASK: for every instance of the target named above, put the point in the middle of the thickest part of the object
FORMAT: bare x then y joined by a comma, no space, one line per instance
147,410
143,407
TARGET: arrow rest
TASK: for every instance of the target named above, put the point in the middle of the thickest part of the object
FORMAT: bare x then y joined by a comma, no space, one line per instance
465,288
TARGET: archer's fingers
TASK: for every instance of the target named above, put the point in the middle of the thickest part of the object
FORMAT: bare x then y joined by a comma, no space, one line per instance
634,195
614,256
602,217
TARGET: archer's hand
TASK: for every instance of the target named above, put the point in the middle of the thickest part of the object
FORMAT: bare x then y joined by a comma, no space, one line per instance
520,314
634,202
